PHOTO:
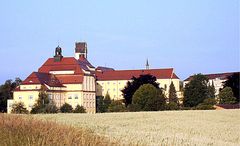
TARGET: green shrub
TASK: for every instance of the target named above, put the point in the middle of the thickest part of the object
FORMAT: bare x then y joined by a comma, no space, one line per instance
172,106
79,109
66,108
51,108
209,101
133,108
203,106
18,108
116,106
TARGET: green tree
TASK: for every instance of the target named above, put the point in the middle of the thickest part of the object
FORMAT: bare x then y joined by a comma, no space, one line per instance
6,92
133,86
79,109
66,108
19,108
233,82
226,96
211,91
149,98
117,106
42,103
107,100
100,105
172,94
196,91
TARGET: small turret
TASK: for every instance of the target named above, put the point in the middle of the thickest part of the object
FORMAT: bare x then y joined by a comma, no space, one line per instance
58,54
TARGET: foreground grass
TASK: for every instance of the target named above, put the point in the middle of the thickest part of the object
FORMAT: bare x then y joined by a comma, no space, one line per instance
22,131
160,128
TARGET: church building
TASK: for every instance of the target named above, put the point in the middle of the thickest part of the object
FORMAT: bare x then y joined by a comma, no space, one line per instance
76,81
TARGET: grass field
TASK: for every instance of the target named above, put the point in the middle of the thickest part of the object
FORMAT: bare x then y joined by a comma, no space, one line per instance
216,127
17,130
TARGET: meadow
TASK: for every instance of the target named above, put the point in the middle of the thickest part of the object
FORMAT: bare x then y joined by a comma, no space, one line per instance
21,130
213,127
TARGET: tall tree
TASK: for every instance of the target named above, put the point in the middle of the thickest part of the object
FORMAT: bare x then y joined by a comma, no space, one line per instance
196,91
107,100
149,98
173,94
6,92
43,104
233,82
133,85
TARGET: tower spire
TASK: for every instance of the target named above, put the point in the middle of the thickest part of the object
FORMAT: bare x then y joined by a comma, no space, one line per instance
147,64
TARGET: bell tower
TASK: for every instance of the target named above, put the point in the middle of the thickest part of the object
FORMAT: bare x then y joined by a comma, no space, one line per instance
80,50
58,54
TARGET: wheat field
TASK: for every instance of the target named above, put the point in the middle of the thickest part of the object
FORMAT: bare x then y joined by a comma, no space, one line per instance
214,127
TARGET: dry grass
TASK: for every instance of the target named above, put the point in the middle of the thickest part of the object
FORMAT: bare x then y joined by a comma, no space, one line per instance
26,131
161,128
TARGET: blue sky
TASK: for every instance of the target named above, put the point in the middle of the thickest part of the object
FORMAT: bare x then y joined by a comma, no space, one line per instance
200,36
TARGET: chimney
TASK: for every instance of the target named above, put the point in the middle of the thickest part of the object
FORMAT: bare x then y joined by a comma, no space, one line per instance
80,49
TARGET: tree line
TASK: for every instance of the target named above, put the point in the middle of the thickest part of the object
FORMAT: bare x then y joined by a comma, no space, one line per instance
140,94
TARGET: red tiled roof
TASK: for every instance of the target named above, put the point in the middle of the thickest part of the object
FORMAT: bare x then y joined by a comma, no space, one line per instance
42,78
52,80
128,74
229,106
100,68
67,63
70,79
222,76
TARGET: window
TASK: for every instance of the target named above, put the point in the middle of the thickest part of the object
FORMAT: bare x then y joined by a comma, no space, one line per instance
114,89
20,97
30,97
76,96
108,83
165,87
70,97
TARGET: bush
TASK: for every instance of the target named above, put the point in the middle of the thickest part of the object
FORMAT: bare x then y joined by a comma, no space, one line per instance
116,106
209,101
172,106
203,106
18,108
133,108
66,108
149,98
79,109
51,108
